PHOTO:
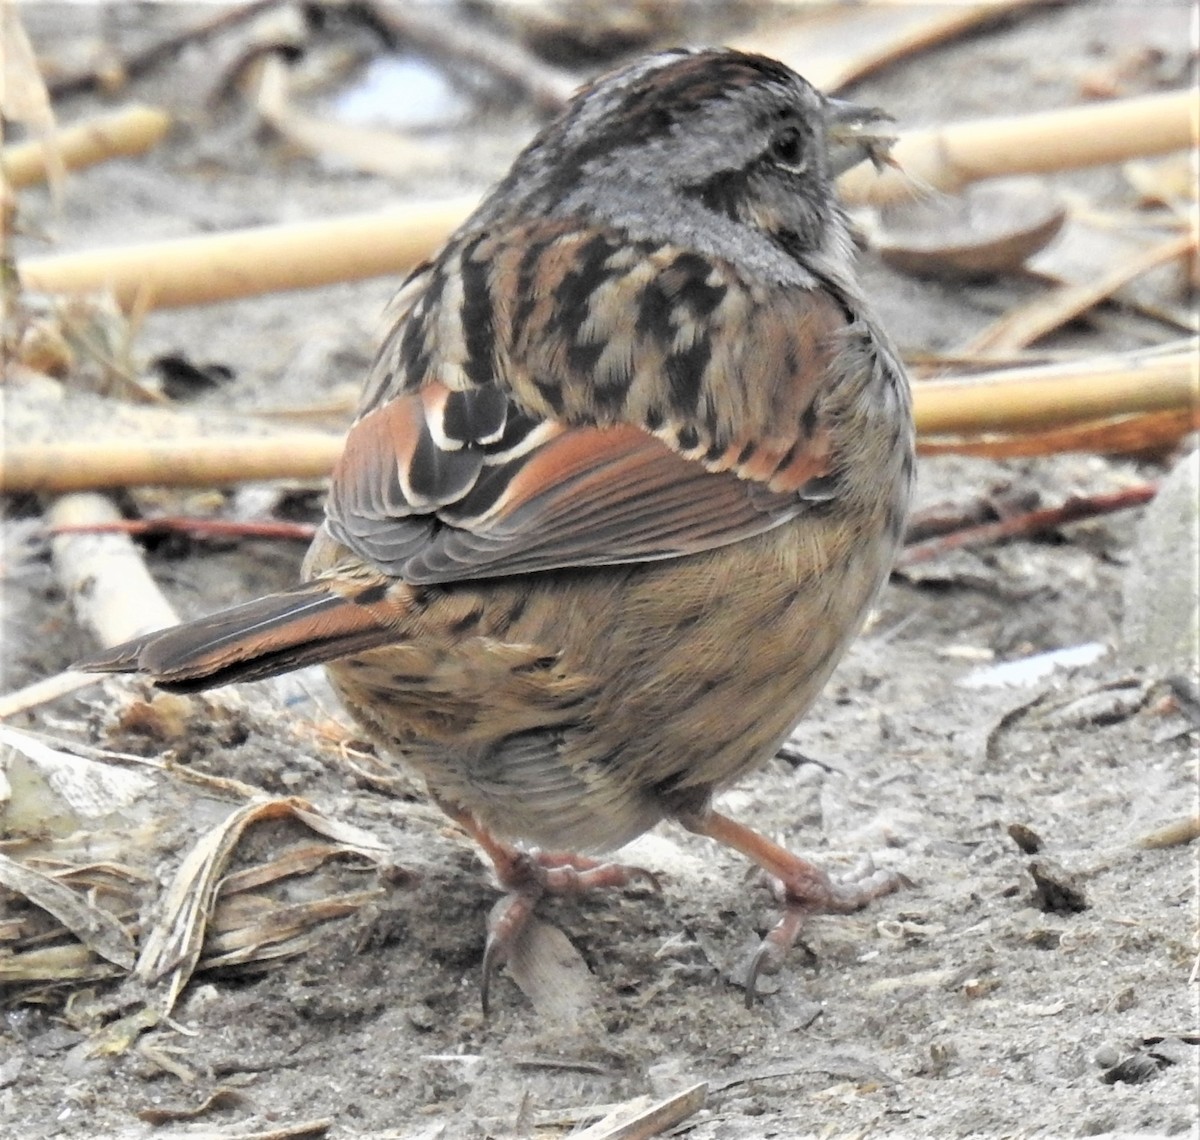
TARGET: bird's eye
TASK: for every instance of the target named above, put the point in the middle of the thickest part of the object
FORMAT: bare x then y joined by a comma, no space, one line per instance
788,150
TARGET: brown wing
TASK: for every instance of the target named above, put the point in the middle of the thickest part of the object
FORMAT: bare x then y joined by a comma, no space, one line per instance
631,405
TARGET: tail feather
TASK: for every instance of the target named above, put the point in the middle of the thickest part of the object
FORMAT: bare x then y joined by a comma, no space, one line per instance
263,638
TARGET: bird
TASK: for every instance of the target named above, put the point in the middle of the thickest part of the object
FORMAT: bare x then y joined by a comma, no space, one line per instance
628,472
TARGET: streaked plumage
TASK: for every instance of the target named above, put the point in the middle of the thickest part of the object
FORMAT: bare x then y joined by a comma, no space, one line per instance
628,471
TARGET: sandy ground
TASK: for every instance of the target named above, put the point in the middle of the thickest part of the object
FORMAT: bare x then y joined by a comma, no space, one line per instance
973,1003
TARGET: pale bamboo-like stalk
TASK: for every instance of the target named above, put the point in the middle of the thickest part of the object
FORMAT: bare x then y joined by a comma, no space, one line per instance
244,263
946,159
113,593
104,576
131,131
1037,398
218,267
1017,400
205,462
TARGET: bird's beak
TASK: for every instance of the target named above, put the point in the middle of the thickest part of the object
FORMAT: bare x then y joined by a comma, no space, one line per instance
856,133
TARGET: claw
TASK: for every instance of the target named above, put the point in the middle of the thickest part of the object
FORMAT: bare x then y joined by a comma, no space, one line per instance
773,949
504,926
756,966
801,887
526,876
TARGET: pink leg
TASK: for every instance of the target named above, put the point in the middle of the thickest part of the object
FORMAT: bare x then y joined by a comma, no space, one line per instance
803,888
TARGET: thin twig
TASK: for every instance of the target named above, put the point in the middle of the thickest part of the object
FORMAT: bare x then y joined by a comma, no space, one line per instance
1028,523
431,31
948,518
197,528
1027,323
143,60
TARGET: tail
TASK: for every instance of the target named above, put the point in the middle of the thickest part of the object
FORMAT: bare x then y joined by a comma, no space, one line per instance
275,634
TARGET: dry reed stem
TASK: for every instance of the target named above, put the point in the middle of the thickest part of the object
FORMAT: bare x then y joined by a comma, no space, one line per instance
132,131
209,268
1154,433
1036,398
98,930
1013,401
946,159
243,263
169,463
113,594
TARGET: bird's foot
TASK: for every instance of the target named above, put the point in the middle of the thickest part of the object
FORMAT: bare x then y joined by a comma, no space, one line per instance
803,888
809,890
528,875
525,876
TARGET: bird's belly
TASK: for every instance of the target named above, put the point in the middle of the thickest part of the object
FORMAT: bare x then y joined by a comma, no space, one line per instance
588,705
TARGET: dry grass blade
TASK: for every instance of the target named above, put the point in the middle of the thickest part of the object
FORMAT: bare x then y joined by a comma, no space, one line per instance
300,860
23,95
102,934
175,940
277,931
131,131
839,43
174,943
54,967
354,838
1027,323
